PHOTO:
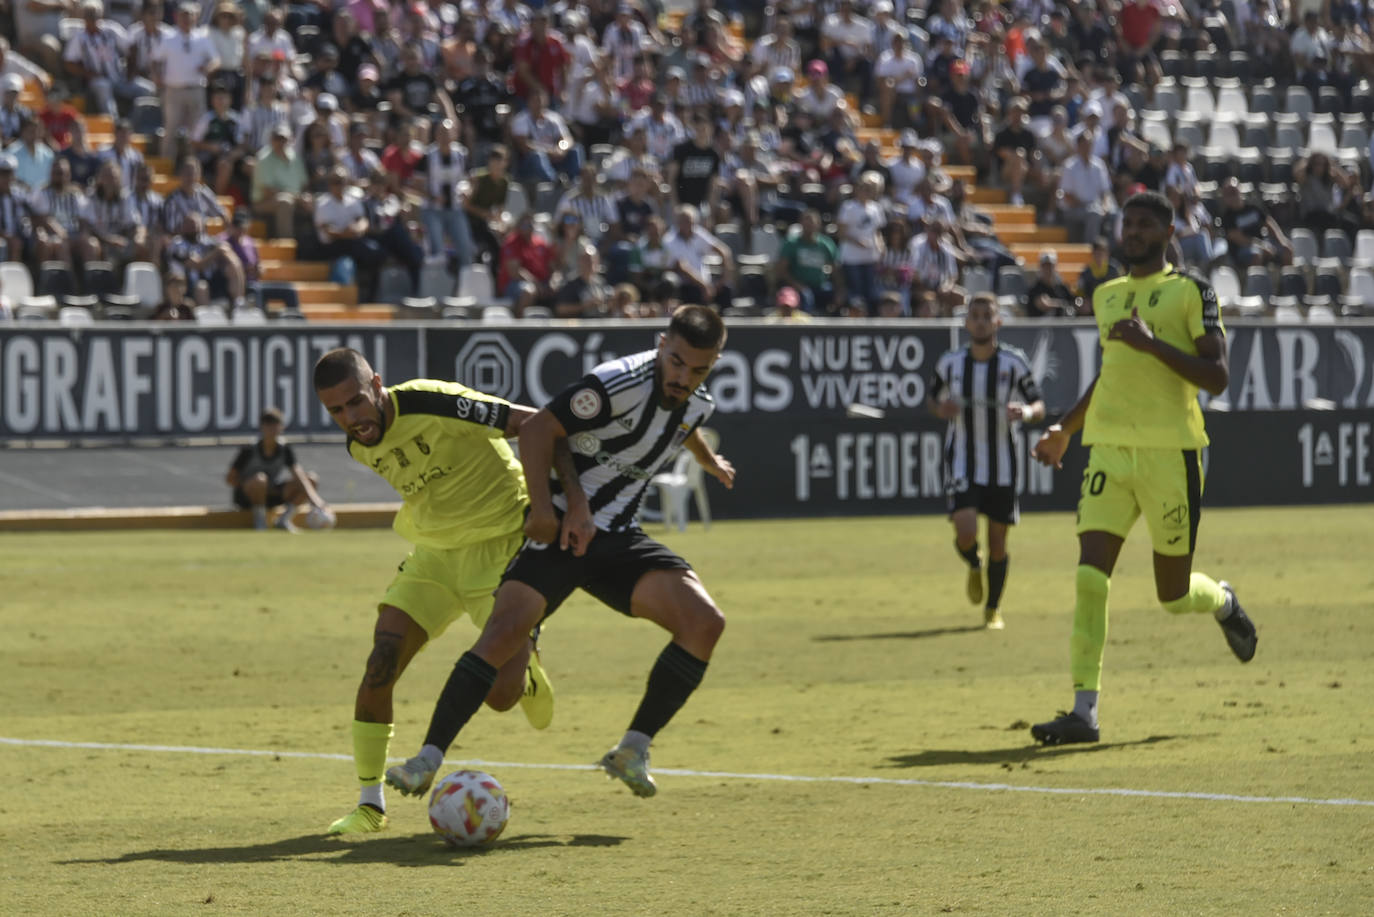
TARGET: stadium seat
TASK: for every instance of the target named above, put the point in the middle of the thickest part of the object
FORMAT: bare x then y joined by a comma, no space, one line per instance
74,316
1329,100
1321,138
55,278
1336,244
1256,131
1224,135
1354,136
475,285
211,315
1293,282
1361,286
765,242
1327,283
1249,166
1321,313
1188,129
1199,99
1262,100
1155,131
729,235
32,313
1238,65
1231,104
1286,312
248,315
1226,285
1279,161
494,313
1304,245
16,281
1172,63
1364,248
393,284
540,312
546,196
146,116
1167,99
1258,282
1288,137
100,278
977,280
516,201
685,480
1298,102
435,281
142,280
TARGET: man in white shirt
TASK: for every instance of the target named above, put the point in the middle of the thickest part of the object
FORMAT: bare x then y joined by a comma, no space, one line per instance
847,43
182,64
95,54
1085,191
686,246
821,96
860,220
896,73
143,40
545,144
907,170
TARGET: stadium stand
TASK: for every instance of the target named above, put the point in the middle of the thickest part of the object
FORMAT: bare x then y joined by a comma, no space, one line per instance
382,153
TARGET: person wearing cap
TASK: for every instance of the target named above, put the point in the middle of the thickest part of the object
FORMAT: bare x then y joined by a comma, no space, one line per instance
847,45
220,141
1049,296
268,474
229,38
182,65
896,76
808,264
860,220
1084,198
15,228
541,60
821,97
114,221
94,56
279,181
12,114
325,111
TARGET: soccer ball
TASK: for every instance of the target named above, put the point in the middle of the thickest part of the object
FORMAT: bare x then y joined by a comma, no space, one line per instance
468,808
320,518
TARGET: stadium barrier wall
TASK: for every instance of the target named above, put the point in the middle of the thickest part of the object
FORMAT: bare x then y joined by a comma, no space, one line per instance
781,390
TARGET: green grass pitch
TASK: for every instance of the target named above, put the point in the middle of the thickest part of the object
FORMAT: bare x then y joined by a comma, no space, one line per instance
850,652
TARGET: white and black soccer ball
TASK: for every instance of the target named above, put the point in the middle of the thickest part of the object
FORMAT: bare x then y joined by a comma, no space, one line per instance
468,808
319,518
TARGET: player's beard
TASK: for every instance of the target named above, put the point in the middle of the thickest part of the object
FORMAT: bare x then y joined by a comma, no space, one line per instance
1151,254
672,399
380,404
985,340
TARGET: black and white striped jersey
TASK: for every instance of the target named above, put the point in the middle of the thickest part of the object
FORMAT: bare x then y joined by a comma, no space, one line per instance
620,437
981,445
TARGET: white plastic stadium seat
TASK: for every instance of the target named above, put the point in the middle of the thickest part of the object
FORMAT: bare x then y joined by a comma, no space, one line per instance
1226,284
686,479
75,315
141,279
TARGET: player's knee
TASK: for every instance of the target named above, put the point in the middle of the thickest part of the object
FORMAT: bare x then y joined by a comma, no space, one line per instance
706,622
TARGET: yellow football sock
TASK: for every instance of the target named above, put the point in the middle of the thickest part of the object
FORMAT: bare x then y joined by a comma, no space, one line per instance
370,743
1089,628
1203,595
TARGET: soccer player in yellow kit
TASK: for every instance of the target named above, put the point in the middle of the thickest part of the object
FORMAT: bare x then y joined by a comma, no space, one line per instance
1162,340
443,447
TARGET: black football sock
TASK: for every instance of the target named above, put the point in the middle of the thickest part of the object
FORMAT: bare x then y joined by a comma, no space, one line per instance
969,554
672,680
463,694
997,579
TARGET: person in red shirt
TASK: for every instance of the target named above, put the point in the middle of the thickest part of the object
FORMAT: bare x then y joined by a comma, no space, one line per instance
400,158
58,118
541,59
1137,27
526,266
640,87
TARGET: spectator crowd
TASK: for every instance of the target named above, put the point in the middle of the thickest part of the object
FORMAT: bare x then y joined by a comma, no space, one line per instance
615,158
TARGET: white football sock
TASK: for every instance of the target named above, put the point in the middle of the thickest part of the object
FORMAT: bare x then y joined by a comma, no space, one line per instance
372,796
1085,705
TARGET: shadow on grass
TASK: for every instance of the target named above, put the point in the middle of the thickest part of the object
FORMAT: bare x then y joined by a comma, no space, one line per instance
900,635
412,850
1017,755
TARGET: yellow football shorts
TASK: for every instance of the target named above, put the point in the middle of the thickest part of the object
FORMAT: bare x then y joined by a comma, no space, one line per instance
436,587
1123,482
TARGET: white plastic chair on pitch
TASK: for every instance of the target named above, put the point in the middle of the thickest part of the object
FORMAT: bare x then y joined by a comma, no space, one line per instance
686,479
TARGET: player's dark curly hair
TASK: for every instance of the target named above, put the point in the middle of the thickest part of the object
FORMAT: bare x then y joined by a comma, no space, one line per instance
338,365
700,326
1155,203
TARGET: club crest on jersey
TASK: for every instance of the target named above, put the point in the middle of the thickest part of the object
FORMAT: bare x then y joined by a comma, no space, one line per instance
1154,299
585,444
585,404
680,434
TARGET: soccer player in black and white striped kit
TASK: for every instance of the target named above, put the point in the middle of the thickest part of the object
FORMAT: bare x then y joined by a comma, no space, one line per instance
623,422
986,391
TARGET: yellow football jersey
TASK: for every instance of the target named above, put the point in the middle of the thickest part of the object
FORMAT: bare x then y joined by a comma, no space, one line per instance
446,454
1139,401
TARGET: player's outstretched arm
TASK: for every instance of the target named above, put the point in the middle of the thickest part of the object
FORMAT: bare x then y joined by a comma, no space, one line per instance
538,433
1055,440
717,466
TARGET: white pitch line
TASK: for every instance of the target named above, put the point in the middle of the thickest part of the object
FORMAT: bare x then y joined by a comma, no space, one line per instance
719,775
